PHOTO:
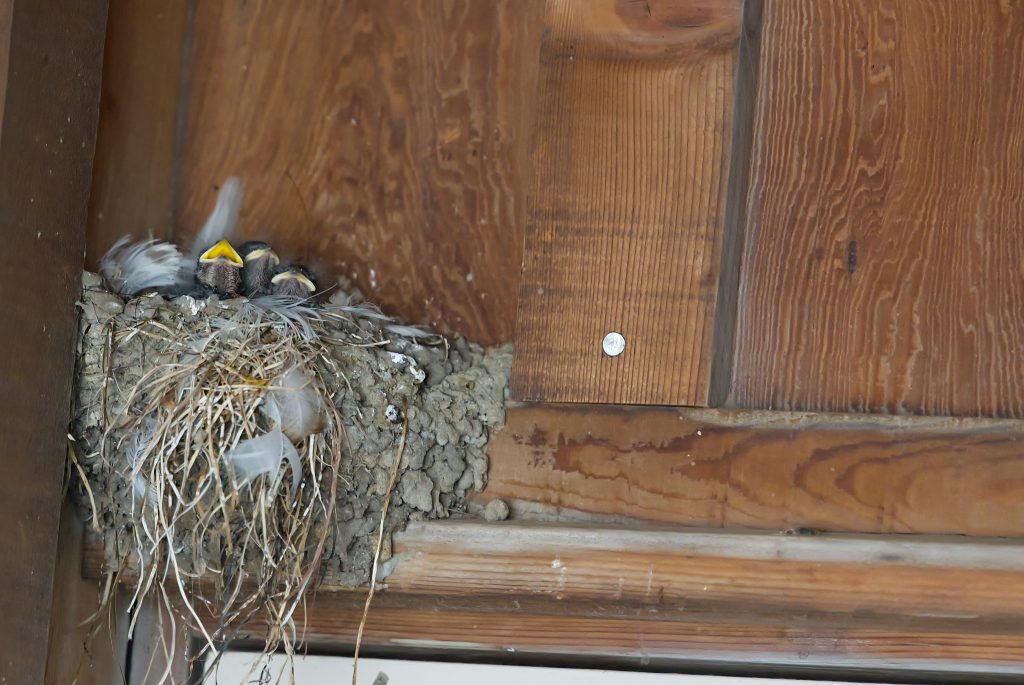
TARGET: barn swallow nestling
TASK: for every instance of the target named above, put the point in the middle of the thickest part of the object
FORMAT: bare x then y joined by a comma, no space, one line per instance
293,280
261,263
220,267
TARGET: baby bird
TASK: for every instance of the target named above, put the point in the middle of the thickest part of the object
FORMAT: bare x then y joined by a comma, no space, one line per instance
220,268
260,264
293,280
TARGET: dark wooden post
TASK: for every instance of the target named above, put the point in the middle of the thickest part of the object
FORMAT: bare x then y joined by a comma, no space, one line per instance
50,107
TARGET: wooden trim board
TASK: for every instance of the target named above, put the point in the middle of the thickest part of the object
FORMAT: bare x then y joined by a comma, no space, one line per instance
890,604
755,469
626,219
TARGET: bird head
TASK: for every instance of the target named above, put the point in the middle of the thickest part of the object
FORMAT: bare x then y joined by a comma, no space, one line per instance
220,268
293,280
222,253
258,251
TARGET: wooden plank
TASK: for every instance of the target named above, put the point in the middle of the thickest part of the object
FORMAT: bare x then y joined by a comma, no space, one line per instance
771,470
637,597
81,651
912,576
385,141
628,204
46,147
159,652
6,14
669,598
132,189
525,631
881,271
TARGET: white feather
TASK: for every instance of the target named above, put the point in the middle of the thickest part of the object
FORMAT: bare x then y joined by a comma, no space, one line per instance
293,313
253,457
223,219
142,489
295,405
133,267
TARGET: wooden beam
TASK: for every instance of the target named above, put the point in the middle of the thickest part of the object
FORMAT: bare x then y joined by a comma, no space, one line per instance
771,470
911,576
672,597
628,210
881,271
883,604
84,651
46,149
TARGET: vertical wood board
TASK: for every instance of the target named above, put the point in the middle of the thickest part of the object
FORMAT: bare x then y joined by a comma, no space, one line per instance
882,266
627,210
46,147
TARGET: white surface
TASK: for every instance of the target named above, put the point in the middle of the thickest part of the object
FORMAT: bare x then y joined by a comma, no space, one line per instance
321,670
613,344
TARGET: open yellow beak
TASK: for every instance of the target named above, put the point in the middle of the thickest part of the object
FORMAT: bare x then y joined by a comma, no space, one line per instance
286,275
221,250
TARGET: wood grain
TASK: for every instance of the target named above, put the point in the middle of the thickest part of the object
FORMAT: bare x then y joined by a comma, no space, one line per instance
912,576
82,651
637,639
51,104
385,141
627,213
137,142
769,470
669,597
882,267
6,14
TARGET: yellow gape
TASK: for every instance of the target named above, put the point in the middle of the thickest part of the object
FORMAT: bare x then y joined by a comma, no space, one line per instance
224,250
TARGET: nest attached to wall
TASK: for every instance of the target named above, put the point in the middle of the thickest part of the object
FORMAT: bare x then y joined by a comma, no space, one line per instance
235,453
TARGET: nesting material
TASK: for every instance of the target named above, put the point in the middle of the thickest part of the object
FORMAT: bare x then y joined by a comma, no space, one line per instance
236,453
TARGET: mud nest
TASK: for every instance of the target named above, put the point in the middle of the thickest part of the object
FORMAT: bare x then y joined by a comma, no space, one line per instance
235,453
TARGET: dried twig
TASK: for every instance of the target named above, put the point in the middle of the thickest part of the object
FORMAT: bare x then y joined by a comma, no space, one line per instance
400,452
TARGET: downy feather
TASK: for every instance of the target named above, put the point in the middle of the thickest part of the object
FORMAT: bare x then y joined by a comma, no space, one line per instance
223,219
295,405
131,268
253,457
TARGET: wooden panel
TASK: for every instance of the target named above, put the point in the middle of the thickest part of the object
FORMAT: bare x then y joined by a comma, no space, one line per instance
81,651
882,268
627,213
517,630
636,597
756,572
132,188
6,13
769,470
46,148
383,140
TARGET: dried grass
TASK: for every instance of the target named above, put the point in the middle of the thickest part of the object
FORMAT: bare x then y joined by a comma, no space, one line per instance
215,553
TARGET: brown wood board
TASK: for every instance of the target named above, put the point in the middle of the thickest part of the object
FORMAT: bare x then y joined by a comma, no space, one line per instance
85,649
912,576
46,147
881,271
900,603
627,213
638,638
136,146
769,470
384,141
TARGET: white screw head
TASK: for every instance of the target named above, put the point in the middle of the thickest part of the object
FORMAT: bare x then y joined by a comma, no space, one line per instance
613,344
